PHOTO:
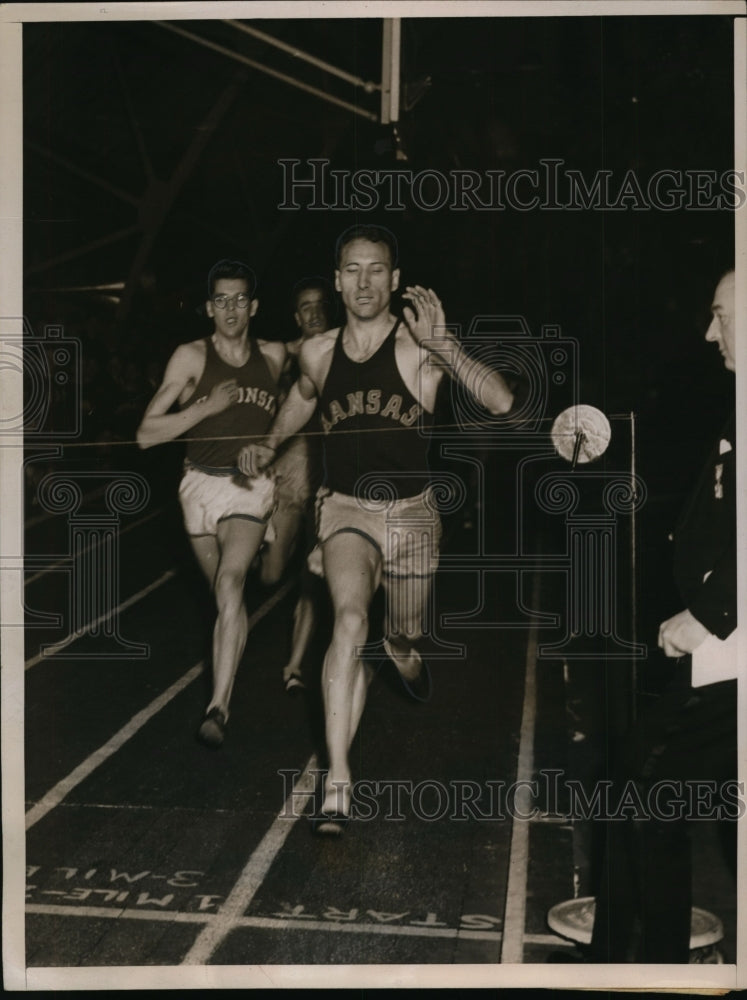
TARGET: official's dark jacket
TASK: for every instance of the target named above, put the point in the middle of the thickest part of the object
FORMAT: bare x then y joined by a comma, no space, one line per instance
705,554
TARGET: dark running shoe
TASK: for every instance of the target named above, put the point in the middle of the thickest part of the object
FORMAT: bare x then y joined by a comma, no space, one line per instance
420,688
329,824
212,730
294,684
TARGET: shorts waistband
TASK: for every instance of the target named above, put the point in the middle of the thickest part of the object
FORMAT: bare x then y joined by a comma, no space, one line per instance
211,470
426,497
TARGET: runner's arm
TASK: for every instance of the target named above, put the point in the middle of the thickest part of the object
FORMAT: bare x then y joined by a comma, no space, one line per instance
158,425
276,355
296,411
486,385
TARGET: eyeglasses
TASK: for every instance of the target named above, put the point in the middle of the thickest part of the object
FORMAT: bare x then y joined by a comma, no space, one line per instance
222,301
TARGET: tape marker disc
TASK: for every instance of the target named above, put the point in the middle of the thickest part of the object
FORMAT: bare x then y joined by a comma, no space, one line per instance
590,424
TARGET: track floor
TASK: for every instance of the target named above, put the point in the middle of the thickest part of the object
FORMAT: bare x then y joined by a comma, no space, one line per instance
146,849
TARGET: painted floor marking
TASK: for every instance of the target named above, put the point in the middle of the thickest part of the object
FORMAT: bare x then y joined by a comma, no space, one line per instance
273,923
130,807
230,916
255,870
56,794
63,788
31,522
61,562
64,643
270,603
514,917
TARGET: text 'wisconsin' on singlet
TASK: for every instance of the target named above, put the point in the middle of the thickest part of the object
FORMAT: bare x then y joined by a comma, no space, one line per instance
242,422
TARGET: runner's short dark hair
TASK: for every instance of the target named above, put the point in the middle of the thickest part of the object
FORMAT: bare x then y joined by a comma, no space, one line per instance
372,233
231,270
305,284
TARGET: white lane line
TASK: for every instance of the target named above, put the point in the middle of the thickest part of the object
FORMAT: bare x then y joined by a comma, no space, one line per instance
56,794
270,603
254,871
272,923
31,522
556,819
126,806
59,646
514,917
66,559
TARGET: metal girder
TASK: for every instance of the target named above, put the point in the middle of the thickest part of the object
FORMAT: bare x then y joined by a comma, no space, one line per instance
159,196
297,53
134,123
270,72
87,175
159,205
390,69
81,251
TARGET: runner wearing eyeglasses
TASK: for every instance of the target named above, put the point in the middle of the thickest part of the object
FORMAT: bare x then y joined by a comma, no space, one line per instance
225,389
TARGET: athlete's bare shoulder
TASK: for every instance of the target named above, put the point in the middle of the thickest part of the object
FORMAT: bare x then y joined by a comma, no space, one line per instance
315,356
183,372
275,353
316,348
272,348
196,347
189,358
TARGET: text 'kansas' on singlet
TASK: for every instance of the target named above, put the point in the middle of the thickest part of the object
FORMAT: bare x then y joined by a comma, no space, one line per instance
240,423
372,425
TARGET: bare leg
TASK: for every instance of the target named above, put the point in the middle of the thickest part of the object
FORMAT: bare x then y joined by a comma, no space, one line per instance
287,522
406,603
352,567
304,621
207,553
238,540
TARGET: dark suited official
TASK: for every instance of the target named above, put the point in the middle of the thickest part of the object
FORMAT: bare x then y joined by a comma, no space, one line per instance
680,761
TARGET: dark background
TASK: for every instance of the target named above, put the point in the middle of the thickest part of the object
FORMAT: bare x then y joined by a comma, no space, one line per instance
125,134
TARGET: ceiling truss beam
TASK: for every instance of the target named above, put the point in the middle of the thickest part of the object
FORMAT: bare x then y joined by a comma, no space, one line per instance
276,74
368,85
